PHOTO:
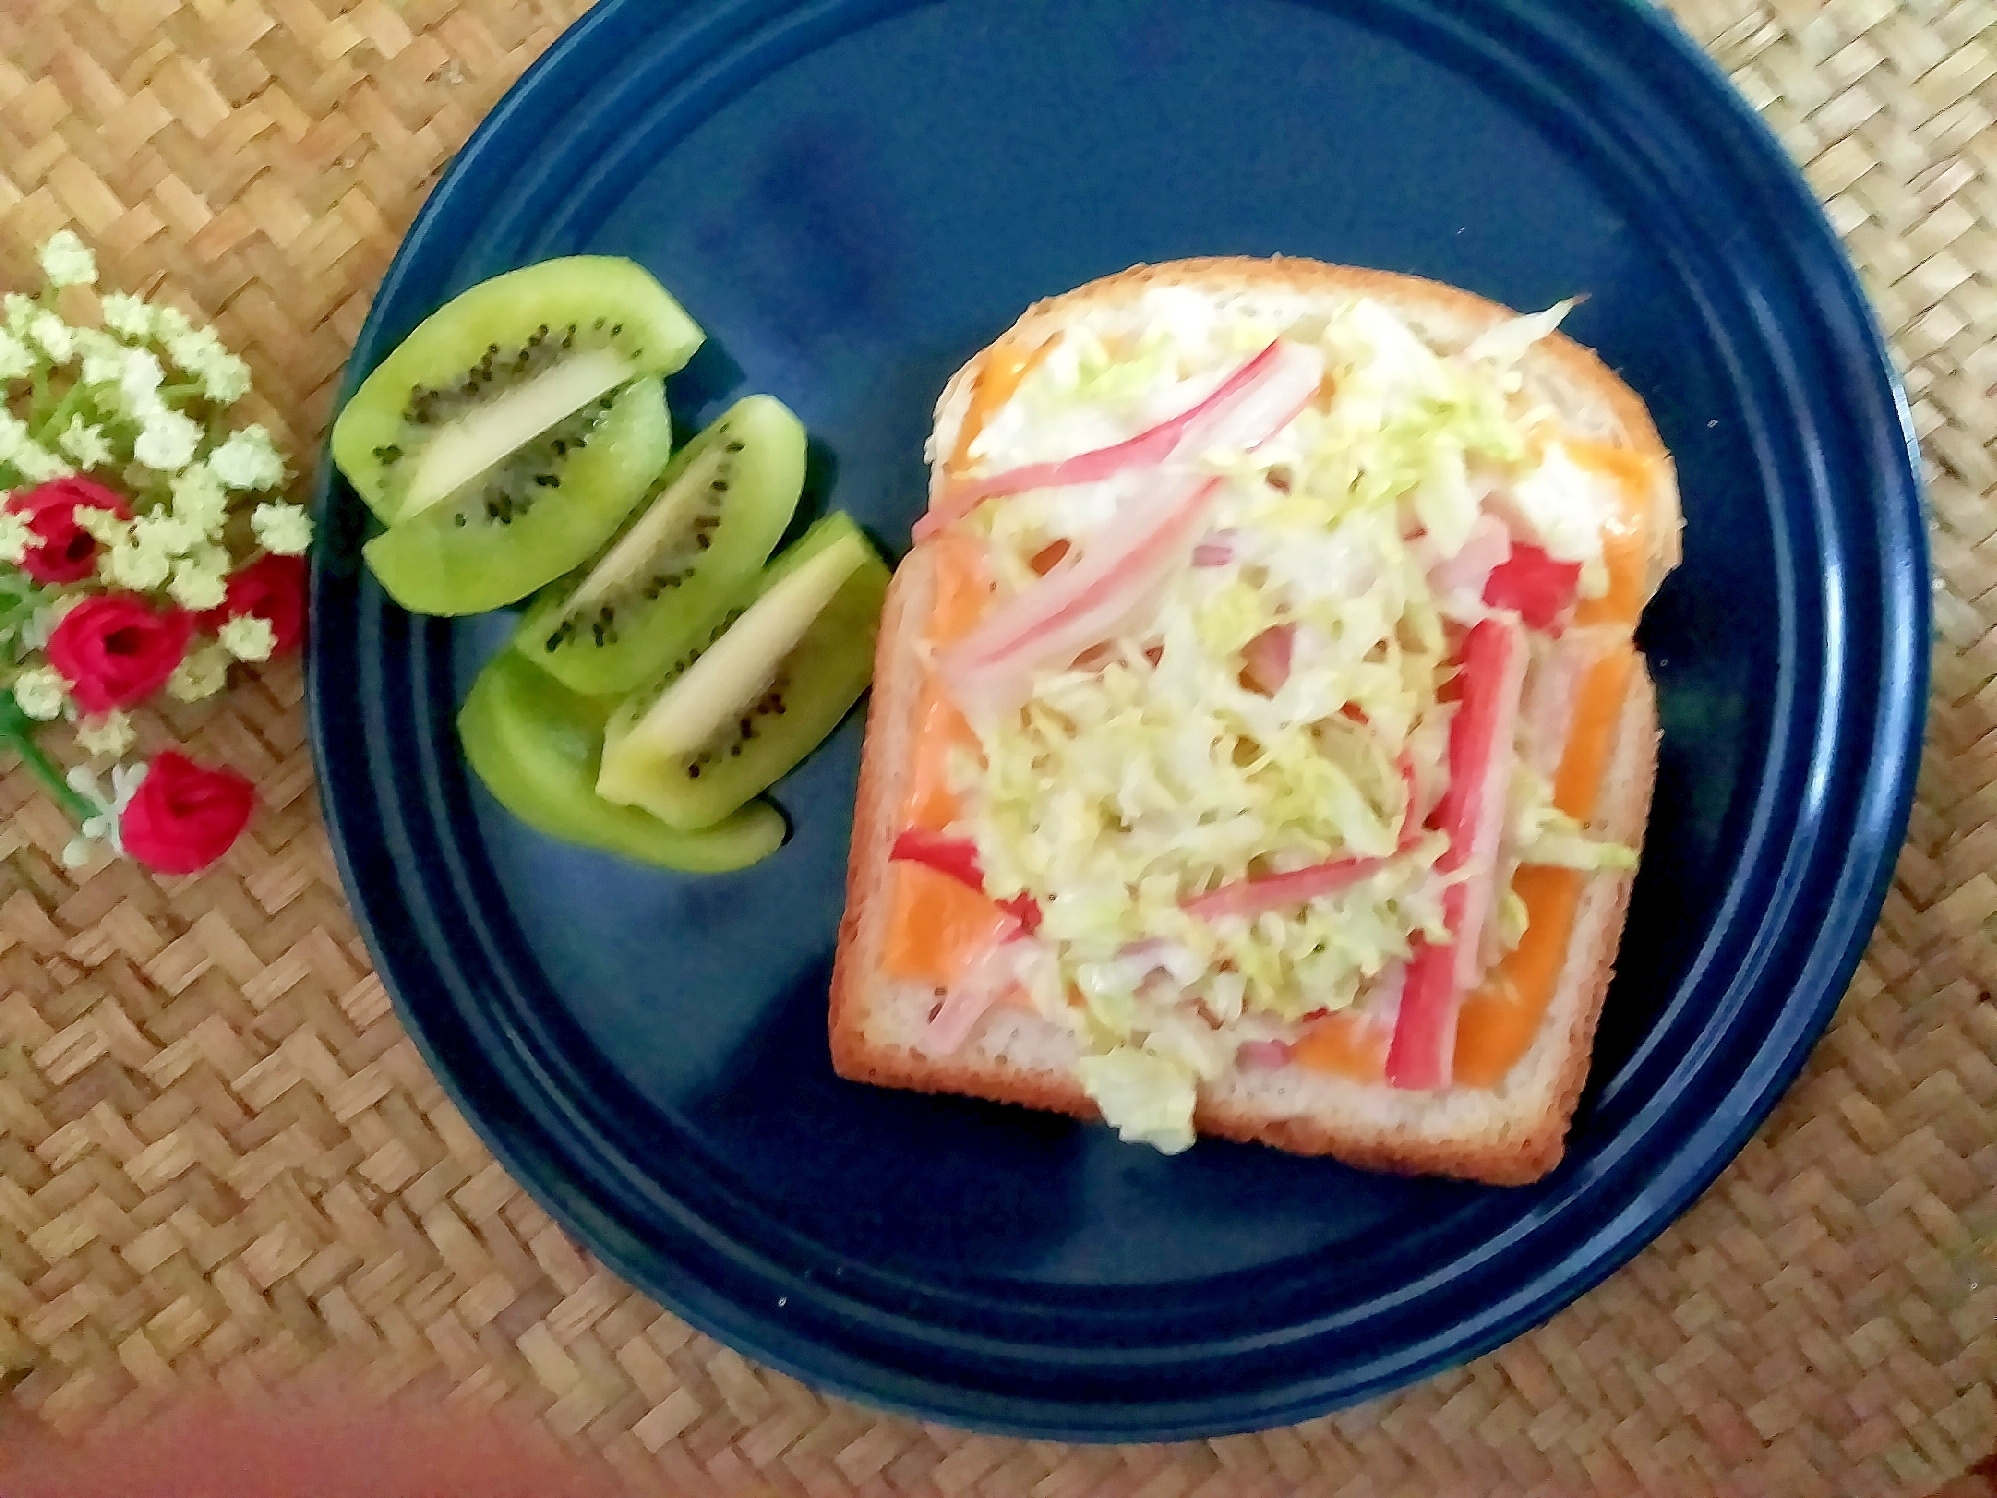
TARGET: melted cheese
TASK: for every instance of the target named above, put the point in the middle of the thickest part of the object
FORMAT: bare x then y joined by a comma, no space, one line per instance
1625,534
940,731
937,925
993,385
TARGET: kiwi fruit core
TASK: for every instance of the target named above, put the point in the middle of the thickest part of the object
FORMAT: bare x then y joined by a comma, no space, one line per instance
682,559
502,403
734,673
656,554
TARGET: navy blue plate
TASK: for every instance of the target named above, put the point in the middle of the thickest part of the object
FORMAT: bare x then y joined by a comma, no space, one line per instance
852,196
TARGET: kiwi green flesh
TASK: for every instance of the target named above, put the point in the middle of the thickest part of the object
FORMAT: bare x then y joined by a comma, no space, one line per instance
734,670
501,336
779,712
663,541
505,492
462,449
836,529
535,745
682,560
533,518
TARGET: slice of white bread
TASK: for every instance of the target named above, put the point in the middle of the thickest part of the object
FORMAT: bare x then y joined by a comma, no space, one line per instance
1509,1134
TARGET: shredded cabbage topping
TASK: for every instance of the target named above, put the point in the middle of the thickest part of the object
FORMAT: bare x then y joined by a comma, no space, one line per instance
1541,833
1157,769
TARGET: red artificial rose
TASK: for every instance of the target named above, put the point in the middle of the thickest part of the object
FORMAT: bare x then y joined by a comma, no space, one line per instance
115,649
273,589
64,552
184,816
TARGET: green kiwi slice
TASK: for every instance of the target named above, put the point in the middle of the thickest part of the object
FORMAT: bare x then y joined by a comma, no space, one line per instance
535,744
498,367
732,718
716,514
532,516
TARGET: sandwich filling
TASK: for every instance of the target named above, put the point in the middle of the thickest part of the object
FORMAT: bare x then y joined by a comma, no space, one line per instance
1272,672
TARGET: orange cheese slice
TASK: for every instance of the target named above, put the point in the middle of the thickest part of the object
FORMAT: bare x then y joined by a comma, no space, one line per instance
940,731
962,593
963,588
936,925
1626,537
1497,1023
1346,1044
1591,735
993,385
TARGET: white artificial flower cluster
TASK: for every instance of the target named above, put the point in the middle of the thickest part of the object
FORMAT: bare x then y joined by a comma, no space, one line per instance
123,405
248,637
16,361
106,737
177,547
224,378
67,261
247,461
21,452
283,529
15,538
135,399
101,828
41,693
203,673
84,444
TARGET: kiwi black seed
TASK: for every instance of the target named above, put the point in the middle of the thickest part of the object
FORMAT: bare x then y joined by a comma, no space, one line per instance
761,716
511,488
656,590
498,370
666,564
531,516
499,367
656,689
724,726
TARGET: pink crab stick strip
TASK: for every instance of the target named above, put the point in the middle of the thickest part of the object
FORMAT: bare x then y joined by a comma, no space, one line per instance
1421,1055
1249,406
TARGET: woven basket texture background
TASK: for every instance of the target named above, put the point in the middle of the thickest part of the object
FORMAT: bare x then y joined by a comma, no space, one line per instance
221,1158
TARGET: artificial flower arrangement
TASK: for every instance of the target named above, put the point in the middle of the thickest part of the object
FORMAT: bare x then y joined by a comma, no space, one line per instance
144,547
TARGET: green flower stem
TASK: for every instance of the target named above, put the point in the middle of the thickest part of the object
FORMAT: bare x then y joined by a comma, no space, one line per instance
59,418
13,609
17,733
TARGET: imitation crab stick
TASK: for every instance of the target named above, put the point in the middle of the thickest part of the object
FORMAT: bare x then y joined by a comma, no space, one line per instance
1499,1020
1472,817
1258,400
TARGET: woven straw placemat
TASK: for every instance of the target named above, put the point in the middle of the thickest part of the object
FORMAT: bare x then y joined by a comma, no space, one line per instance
220,1156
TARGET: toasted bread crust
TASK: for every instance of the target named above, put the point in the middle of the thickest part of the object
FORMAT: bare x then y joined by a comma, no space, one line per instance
1505,1159
856,975
1027,1060
1463,314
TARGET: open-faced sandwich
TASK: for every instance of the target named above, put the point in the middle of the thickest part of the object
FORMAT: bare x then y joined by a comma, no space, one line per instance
1258,745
